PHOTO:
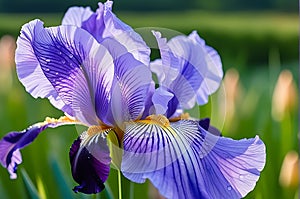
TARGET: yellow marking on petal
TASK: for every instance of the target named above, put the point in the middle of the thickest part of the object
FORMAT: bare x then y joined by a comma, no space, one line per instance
156,119
184,116
63,119
93,130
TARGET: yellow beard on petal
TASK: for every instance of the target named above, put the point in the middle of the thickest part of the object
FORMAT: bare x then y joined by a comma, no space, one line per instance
97,129
62,119
156,119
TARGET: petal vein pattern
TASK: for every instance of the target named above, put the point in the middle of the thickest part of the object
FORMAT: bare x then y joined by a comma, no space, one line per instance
188,68
77,66
104,24
185,161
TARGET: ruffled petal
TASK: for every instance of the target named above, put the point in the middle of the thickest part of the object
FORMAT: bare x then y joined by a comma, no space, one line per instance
104,24
76,15
183,160
77,66
192,70
13,142
90,160
30,73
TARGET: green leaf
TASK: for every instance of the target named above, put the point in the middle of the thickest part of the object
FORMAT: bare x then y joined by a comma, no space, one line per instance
30,188
62,185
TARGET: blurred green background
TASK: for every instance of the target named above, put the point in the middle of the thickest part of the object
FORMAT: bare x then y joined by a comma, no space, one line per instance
258,44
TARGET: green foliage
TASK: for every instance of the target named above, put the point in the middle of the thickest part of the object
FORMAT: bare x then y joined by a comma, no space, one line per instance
246,38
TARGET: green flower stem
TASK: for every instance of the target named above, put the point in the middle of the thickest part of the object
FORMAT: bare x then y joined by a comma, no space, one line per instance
120,183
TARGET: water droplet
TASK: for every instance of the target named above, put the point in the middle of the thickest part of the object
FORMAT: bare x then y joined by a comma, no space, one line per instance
47,69
47,60
60,52
56,73
71,56
241,177
229,188
63,61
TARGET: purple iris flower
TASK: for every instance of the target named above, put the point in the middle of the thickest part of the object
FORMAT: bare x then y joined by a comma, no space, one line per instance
97,70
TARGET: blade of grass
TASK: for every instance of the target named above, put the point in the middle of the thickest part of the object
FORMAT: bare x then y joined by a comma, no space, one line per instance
41,188
64,188
30,188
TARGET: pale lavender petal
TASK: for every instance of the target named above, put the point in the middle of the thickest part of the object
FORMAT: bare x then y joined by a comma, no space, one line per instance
13,142
160,100
130,89
77,66
168,58
90,162
104,24
166,68
198,61
76,15
30,73
188,68
183,160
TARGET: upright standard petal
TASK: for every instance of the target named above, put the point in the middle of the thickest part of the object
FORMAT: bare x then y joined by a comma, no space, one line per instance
13,142
77,66
132,82
76,15
104,24
90,161
183,160
190,69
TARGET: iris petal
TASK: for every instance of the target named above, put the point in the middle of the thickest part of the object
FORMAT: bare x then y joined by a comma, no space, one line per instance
90,160
198,68
78,68
13,142
76,15
104,24
30,73
130,89
184,160
160,100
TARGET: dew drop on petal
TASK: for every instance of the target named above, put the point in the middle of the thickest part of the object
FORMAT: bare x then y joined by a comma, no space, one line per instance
229,188
63,61
47,60
241,177
56,73
71,56
60,52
